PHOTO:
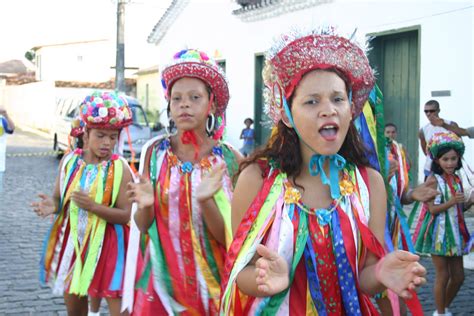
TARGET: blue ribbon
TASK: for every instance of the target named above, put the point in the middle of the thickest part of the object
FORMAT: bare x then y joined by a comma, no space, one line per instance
165,144
216,150
116,282
336,163
187,167
324,216
347,284
313,279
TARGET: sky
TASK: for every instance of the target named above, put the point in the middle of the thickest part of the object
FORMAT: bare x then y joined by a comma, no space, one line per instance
28,23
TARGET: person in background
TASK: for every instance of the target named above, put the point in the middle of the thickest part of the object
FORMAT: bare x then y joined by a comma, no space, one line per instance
437,125
248,135
441,230
6,127
399,193
84,251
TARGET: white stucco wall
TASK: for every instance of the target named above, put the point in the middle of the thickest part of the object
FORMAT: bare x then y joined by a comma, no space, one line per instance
86,61
445,40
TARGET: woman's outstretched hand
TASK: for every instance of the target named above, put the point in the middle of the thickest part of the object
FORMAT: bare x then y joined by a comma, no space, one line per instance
210,183
141,193
426,191
272,272
45,206
401,272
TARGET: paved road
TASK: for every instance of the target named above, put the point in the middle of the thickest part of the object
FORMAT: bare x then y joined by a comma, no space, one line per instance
22,233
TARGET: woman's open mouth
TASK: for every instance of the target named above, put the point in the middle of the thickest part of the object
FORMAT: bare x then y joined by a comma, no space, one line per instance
329,131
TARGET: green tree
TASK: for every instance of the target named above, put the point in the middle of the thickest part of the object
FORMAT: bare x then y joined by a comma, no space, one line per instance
30,55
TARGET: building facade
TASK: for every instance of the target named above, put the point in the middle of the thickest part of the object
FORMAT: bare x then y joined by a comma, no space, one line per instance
421,50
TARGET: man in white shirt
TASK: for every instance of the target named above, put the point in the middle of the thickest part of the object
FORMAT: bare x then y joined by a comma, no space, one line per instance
435,125
6,127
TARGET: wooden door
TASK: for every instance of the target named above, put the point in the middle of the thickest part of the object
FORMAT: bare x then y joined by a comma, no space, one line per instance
396,59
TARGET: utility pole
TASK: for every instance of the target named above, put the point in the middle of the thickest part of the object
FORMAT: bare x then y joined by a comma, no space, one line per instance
120,57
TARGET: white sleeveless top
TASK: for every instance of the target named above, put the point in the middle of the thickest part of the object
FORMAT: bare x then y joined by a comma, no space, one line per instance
428,131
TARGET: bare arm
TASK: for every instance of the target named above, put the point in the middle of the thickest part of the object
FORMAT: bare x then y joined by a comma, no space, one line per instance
455,128
142,194
49,204
422,193
398,270
210,184
421,136
248,185
378,199
120,213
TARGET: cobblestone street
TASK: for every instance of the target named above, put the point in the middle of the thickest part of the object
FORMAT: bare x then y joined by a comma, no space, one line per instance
22,234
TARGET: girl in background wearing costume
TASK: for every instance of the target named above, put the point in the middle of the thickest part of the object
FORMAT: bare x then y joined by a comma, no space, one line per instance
441,230
311,211
187,223
84,252
389,158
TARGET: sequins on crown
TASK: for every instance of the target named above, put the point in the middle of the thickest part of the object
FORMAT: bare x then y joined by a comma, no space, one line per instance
187,166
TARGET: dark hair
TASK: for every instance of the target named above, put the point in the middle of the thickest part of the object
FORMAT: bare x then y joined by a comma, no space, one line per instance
79,142
436,168
391,125
248,119
434,103
283,148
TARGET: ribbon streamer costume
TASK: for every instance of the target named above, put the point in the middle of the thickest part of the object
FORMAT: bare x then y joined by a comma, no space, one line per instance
324,248
83,254
177,267
445,233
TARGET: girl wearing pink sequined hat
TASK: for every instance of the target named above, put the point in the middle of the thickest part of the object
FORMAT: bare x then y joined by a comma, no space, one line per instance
84,251
308,211
183,197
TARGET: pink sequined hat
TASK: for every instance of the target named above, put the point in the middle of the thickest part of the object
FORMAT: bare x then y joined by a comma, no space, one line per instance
294,55
196,64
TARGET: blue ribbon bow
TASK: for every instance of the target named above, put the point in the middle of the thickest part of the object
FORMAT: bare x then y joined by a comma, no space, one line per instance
324,216
187,167
336,163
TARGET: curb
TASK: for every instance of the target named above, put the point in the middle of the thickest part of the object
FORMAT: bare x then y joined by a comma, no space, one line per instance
35,154
38,132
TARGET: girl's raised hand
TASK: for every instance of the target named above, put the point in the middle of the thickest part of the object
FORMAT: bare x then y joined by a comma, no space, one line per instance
272,272
457,198
45,206
400,272
83,200
210,183
141,193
